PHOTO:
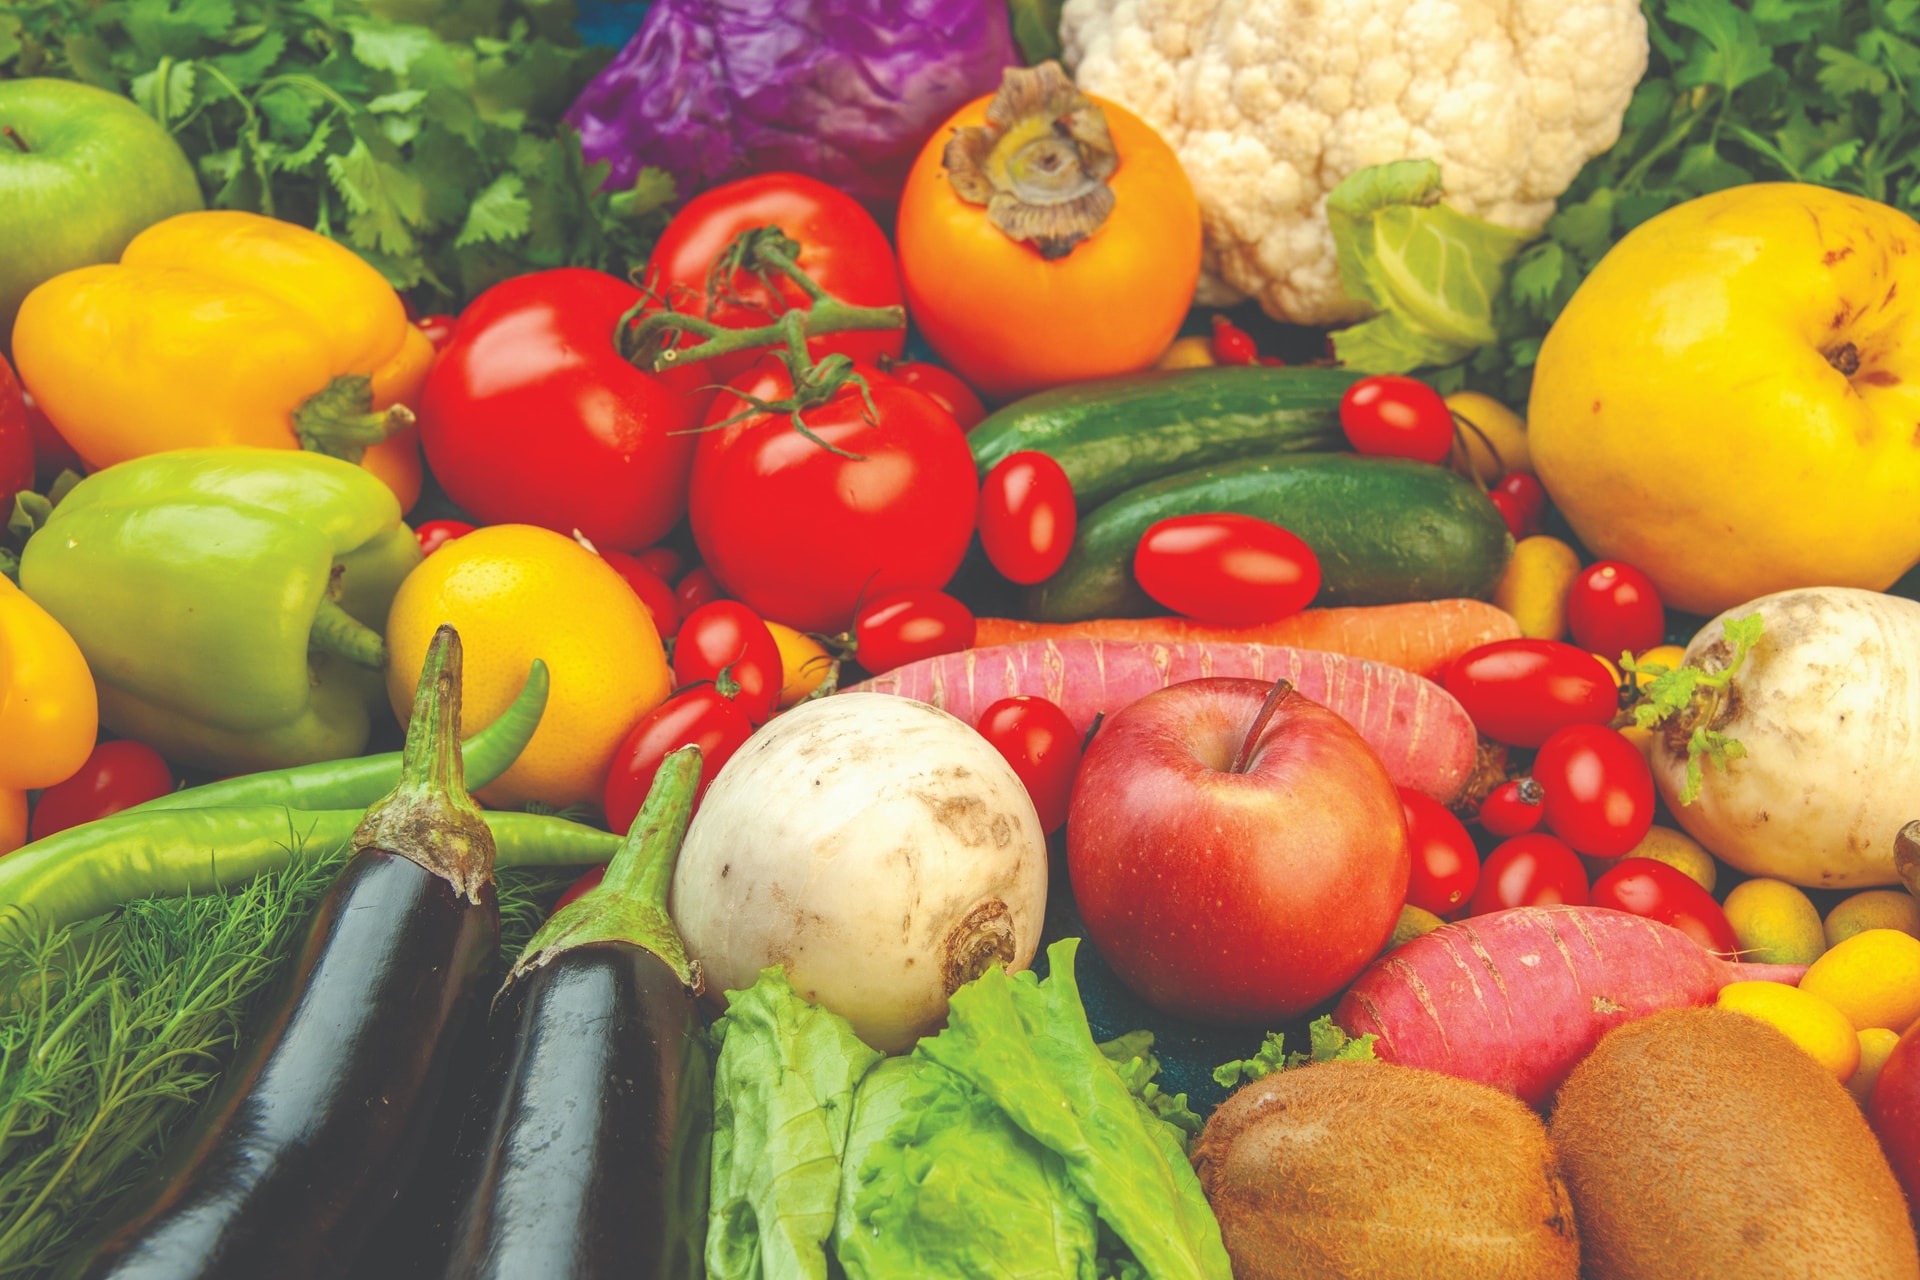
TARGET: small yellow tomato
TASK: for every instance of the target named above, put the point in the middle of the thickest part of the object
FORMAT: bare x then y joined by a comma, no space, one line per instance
803,664
1535,586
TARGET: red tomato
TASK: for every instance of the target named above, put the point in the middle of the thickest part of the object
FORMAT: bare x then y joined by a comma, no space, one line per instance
652,590
1042,746
51,452
1510,511
530,416
16,440
907,626
579,887
1615,608
118,775
945,389
700,716
1231,344
804,534
435,534
1227,569
1520,691
438,328
1027,516
1512,808
728,636
1598,788
1533,870
696,588
1395,417
1527,493
1660,892
841,247
1446,866
665,563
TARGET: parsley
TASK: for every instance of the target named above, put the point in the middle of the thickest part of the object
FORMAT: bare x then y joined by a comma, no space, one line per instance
1692,697
1326,1043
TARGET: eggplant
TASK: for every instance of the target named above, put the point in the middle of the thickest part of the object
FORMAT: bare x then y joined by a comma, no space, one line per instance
319,1122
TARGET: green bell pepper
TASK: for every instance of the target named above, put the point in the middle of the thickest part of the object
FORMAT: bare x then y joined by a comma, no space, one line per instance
231,602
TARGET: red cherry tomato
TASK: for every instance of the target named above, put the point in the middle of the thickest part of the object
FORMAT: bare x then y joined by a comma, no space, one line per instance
652,590
1526,490
1042,746
945,389
665,563
1598,788
1520,691
1512,808
579,887
1395,417
116,776
1510,511
16,439
435,534
696,588
907,626
438,328
1614,607
1027,517
1660,892
701,717
1533,870
1232,344
1226,569
1446,866
728,636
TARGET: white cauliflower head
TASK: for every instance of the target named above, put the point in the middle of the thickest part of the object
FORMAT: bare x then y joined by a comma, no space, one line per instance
1270,103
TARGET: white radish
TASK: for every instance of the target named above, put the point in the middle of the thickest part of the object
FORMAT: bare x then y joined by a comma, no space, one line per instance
878,848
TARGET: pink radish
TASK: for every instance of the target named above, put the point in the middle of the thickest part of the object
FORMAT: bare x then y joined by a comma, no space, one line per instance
1420,733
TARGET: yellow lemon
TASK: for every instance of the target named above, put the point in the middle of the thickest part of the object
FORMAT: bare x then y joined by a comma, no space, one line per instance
1680,851
1876,1046
1873,909
1534,588
1807,1020
1873,978
803,663
1775,923
1496,436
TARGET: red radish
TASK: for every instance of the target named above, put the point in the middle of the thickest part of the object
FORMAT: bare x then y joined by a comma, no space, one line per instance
1515,999
1420,733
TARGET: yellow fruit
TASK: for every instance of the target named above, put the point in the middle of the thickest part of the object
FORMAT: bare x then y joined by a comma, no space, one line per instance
803,663
1677,849
516,593
1728,401
1807,1020
1775,923
1186,353
1535,586
1873,978
1500,431
1670,656
1873,909
1876,1046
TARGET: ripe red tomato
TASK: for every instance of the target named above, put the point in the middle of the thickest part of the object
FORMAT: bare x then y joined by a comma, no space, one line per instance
1598,789
1042,746
1520,691
700,716
665,563
1532,870
435,534
1027,516
1510,511
116,776
1527,493
945,389
1512,808
1446,866
1395,417
1226,569
438,328
1657,891
1231,344
726,635
1614,607
804,534
651,588
907,626
696,587
16,439
841,247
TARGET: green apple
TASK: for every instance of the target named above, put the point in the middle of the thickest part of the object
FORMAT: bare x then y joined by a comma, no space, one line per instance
82,171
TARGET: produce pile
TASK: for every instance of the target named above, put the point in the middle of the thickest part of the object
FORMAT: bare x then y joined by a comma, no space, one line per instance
960,639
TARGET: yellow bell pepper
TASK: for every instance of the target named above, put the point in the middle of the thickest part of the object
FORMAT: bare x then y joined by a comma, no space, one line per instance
227,328
49,712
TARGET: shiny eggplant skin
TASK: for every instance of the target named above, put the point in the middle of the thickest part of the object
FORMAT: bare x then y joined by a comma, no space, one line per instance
319,1123
585,1151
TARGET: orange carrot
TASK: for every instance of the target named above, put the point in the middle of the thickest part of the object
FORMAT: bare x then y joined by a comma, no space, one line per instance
1422,638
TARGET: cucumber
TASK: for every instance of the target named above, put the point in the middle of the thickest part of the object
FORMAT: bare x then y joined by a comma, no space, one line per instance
1114,433
1386,531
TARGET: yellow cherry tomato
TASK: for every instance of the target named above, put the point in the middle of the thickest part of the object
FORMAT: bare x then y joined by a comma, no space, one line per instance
803,664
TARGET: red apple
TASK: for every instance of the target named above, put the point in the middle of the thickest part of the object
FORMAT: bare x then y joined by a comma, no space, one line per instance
1233,868
1895,1112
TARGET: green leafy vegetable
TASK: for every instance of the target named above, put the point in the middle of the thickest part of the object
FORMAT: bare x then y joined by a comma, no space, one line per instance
1692,697
1132,1056
1326,1043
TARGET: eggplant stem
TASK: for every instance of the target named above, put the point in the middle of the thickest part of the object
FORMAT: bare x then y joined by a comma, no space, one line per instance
1244,756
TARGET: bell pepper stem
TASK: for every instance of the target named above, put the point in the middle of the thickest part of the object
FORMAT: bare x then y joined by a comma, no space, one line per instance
340,421
337,632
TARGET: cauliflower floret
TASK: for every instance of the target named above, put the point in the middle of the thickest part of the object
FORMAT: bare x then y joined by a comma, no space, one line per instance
1270,103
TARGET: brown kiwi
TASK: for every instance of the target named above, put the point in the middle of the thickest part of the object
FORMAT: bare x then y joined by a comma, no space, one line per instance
1363,1169
1702,1142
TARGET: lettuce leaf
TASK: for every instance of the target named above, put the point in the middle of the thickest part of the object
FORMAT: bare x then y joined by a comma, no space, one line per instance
1132,1056
1326,1042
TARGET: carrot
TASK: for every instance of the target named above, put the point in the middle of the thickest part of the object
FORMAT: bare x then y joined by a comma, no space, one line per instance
1422,638
1514,999
1421,734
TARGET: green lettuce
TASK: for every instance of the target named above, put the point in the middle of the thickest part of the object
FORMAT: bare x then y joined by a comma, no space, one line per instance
1327,1043
1430,272
1133,1057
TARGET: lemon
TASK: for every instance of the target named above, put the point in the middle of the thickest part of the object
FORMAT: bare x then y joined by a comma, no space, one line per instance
1534,588
1873,909
1495,429
1810,1022
1876,1046
1873,978
1680,851
1775,923
803,663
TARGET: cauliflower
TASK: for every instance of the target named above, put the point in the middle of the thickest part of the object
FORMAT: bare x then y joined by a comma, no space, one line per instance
1270,103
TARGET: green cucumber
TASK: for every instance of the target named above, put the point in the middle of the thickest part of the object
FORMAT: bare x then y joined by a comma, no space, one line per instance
1114,433
1386,531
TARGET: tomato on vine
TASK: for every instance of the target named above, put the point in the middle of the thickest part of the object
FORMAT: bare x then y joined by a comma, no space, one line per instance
1396,417
1043,747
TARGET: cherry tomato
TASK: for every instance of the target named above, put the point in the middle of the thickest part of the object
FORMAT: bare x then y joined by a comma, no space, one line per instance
1232,344
696,587
1512,808
666,563
652,590
726,635
16,439
1395,417
1042,746
906,626
700,716
1615,608
435,534
1510,511
1446,866
579,887
1598,788
1532,870
1519,691
1027,517
1657,891
116,776
1526,490
438,328
945,389
1227,569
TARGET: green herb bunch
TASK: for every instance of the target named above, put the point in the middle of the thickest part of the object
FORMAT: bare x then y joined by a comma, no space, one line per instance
424,134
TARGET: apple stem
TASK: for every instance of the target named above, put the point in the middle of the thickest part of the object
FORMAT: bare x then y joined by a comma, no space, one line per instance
18,141
1244,757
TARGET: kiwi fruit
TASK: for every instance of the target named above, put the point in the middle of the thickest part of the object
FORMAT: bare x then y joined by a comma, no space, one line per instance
1702,1142
1365,1169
